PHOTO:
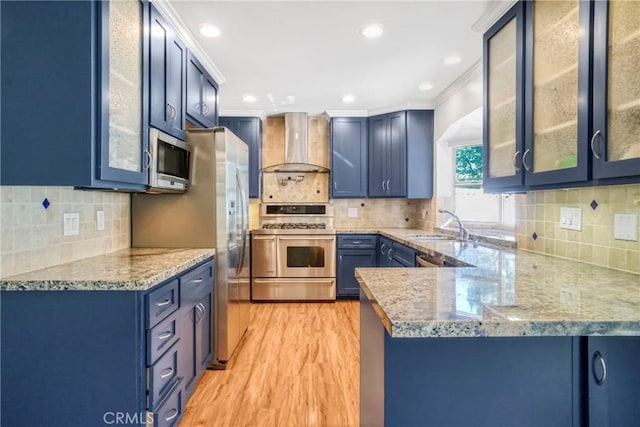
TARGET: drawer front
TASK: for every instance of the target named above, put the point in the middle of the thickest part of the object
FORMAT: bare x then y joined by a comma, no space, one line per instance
169,412
162,302
161,337
161,376
197,282
357,241
404,254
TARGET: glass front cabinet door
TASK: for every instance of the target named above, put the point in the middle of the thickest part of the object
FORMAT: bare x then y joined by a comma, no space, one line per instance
503,105
615,142
557,92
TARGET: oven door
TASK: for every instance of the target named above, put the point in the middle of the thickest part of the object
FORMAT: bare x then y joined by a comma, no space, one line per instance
306,256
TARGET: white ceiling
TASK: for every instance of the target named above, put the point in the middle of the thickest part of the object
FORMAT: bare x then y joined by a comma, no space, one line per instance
314,52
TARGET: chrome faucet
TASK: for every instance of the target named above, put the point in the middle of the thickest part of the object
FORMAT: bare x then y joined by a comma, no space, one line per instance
463,234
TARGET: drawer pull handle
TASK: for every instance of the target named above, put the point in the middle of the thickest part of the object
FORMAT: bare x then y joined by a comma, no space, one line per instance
356,242
593,141
163,303
603,378
172,416
198,280
169,372
165,336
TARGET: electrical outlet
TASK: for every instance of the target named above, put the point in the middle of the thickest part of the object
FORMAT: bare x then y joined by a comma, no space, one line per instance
353,212
625,227
571,218
71,226
100,220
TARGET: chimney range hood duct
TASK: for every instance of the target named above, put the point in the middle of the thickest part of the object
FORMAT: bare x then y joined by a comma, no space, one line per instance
296,147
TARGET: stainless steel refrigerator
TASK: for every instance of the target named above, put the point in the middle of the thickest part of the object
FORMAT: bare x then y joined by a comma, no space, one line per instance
214,212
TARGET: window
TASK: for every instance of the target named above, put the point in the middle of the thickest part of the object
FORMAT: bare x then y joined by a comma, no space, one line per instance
471,203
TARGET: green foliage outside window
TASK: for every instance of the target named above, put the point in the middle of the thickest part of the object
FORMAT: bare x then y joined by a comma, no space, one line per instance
469,164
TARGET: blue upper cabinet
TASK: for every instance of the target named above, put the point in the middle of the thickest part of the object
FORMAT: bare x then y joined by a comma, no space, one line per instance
615,141
202,94
503,105
349,157
249,129
401,154
168,60
557,92
92,121
387,155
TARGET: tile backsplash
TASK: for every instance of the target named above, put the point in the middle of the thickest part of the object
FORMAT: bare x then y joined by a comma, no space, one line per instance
539,212
32,236
382,213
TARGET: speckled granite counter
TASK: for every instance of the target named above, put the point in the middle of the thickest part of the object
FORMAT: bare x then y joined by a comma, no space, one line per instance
134,269
507,293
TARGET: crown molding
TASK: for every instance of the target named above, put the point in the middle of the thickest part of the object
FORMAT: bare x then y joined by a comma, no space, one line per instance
411,105
169,13
347,113
491,16
473,72
243,113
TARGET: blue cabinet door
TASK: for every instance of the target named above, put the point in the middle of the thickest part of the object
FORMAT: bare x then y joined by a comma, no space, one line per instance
349,157
615,142
613,378
56,67
503,106
167,81
378,136
348,261
203,334
385,252
201,94
249,129
419,154
397,155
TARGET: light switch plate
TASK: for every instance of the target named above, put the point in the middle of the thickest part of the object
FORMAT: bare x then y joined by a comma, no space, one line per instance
71,224
625,227
100,220
353,212
571,218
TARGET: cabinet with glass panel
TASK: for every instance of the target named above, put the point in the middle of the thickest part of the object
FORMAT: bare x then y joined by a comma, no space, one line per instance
615,143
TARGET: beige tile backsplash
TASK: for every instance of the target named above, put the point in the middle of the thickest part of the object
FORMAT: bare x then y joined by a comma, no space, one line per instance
32,236
539,212
382,213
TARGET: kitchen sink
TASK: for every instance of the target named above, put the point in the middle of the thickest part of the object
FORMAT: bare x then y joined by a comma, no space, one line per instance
427,237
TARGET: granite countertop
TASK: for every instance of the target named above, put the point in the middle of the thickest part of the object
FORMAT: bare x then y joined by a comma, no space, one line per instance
134,269
508,293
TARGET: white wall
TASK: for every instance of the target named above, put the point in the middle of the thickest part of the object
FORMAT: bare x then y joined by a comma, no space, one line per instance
466,98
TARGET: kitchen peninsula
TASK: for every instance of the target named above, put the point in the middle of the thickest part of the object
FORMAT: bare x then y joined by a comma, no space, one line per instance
521,339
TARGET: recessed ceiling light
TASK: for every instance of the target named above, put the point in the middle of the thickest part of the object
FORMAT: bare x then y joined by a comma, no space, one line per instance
249,98
452,60
425,86
208,30
348,98
372,31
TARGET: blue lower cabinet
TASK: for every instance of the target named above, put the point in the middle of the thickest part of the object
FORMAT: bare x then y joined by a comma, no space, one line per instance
348,261
403,255
88,358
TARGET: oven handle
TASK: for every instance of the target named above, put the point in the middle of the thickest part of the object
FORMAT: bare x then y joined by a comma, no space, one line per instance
307,237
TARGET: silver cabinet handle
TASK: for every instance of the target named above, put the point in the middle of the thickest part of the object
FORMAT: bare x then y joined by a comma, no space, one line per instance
524,160
597,356
593,141
335,185
383,184
356,242
198,316
515,161
173,112
390,254
149,159
175,414
164,336
382,249
199,280
163,303
169,372
205,108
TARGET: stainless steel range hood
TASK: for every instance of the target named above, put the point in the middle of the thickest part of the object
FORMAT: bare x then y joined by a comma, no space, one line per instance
296,147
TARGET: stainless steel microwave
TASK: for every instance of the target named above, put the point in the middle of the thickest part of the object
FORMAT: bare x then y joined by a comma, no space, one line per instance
169,163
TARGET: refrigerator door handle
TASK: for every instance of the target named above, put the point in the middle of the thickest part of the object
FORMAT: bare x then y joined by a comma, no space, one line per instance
242,224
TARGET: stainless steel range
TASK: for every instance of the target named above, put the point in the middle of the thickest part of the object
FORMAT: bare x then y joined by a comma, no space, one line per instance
293,256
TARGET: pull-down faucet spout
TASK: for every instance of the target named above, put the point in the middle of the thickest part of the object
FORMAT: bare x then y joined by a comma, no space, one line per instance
463,233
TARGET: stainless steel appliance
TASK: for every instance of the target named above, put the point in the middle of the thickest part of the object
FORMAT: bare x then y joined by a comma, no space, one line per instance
294,254
213,213
169,163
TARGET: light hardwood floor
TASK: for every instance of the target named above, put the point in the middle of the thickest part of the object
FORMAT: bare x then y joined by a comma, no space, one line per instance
298,365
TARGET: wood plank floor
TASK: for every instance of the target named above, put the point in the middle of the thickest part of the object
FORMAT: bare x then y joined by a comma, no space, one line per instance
298,365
